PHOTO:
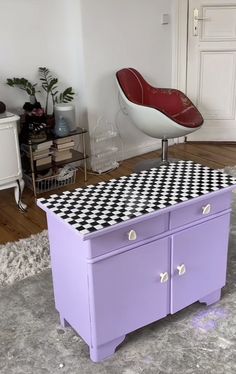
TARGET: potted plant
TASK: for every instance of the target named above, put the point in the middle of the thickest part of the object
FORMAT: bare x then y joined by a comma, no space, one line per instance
49,84
36,116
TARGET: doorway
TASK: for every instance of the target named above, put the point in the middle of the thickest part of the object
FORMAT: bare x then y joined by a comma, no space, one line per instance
210,78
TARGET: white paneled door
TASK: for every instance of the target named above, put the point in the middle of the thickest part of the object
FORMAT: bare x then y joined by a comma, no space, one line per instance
211,72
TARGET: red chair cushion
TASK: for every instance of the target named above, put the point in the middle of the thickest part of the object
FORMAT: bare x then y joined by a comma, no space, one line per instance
171,102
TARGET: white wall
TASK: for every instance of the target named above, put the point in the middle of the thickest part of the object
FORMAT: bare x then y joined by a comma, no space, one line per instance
38,33
117,34
84,42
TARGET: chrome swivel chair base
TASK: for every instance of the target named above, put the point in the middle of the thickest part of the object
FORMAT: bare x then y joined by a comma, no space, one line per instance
156,163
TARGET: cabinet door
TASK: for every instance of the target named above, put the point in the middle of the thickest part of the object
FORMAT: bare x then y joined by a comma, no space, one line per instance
202,249
126,292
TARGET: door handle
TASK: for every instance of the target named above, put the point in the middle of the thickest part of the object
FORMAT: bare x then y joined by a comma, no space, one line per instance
132,235
206,209
181,269
201,19
164,277
196,18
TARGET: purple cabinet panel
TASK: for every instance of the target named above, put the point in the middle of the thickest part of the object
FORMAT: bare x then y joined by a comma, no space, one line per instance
198,261
119,238
126,291
69,272
195,211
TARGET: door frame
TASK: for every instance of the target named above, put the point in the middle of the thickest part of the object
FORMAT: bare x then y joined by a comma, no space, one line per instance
180,44
179,48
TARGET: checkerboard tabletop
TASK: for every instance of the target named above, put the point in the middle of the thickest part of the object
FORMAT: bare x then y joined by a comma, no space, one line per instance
96,207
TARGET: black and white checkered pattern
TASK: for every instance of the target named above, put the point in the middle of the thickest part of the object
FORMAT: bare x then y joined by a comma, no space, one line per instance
108,203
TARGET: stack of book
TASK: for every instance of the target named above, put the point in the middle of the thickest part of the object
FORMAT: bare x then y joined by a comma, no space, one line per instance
42,153
62,148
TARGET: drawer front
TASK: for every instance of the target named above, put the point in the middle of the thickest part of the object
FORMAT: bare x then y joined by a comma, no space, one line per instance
130,234
200,209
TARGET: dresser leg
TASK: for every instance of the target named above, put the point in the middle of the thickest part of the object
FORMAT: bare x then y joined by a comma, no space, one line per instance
106,350
211,298
18,193
63,322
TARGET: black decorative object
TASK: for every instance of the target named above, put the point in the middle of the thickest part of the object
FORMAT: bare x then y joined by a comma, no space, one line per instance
34,123
2,107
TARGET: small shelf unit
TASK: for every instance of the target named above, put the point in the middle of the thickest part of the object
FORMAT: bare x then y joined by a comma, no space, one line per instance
52,180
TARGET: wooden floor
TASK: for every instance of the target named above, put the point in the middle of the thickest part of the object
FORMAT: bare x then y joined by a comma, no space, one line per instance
15,225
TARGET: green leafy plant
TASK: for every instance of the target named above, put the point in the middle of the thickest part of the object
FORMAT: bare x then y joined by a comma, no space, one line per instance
50,85
66,96
24,85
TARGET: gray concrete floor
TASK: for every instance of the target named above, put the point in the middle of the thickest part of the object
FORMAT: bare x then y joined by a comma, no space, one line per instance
198,339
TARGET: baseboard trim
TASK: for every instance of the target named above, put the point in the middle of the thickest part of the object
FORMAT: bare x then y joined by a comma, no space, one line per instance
220,142
142,149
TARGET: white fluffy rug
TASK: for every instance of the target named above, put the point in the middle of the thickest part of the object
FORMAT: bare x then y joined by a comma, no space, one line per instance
24,258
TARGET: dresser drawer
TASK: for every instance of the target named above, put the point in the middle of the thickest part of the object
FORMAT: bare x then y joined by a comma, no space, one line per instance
200,209
130,234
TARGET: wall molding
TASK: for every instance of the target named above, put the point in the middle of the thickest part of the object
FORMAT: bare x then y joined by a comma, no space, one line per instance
179,46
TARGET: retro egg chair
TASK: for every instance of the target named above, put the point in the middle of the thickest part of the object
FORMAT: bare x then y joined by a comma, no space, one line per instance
161,113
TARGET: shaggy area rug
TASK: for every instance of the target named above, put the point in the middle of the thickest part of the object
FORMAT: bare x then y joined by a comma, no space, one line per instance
24,258
27,257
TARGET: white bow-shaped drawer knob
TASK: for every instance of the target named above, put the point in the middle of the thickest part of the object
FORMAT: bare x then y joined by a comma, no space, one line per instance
206,209
164,277
132,235
181,269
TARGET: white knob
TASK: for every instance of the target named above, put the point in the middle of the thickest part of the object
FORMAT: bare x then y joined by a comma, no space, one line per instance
181,269
164,277
206,209
132,235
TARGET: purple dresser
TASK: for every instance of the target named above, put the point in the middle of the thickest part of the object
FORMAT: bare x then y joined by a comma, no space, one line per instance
129,251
